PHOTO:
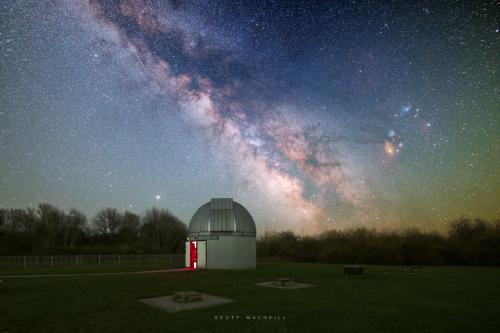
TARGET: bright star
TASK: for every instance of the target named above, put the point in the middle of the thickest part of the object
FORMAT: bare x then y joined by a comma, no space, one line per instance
389,148
405,109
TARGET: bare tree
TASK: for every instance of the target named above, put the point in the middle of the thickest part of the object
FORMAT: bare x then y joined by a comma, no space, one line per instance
51,219
30,220
107,221
162,231
74,226
130,227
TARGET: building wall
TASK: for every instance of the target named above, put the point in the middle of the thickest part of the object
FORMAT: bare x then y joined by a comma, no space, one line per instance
202,254
231,252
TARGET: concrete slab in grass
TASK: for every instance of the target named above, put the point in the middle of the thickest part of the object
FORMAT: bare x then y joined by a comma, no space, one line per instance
168,304
295,285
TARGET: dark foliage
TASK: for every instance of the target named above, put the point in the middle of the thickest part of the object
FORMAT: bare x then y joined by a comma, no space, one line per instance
468,242
48,230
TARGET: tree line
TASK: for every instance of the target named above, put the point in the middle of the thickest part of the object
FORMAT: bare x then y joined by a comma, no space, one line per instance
467,242
48,230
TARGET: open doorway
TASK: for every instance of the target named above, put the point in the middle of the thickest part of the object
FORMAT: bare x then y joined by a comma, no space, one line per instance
192,255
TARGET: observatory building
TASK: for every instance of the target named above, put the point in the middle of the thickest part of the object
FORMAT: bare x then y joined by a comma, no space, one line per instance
221,235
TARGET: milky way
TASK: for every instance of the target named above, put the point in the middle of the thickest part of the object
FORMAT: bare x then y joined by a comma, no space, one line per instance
314,117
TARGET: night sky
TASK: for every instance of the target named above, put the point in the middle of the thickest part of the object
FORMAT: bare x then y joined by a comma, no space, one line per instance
313,115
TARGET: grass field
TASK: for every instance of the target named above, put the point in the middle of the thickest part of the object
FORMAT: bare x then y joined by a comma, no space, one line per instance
385,299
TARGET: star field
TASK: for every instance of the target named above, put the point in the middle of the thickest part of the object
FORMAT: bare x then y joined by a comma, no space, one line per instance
320,115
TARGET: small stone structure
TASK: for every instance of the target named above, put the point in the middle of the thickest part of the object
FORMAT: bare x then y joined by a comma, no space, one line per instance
187,297
283,282
353,270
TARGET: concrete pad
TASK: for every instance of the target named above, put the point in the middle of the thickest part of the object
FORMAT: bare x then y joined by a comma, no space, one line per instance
296,285
168,304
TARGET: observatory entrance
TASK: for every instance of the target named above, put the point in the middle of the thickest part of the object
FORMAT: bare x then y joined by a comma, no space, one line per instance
197,257
192,255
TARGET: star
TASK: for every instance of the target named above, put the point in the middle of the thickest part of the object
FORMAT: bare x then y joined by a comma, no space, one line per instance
199,101
405,109
389,148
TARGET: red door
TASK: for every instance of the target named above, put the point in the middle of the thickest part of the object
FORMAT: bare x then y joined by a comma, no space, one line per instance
192,255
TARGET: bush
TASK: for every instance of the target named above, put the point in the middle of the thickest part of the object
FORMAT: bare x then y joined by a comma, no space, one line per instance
468,242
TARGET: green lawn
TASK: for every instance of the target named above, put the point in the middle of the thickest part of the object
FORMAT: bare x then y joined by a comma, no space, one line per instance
84,269
385,299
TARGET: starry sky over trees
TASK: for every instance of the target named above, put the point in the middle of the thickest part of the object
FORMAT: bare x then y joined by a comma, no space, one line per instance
314,115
